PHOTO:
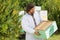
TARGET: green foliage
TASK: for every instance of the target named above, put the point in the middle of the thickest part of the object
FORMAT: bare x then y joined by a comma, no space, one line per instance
10,25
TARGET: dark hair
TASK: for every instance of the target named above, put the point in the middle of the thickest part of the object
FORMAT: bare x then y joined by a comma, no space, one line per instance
29,7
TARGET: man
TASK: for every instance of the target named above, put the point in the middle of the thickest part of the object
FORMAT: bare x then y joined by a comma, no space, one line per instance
29,21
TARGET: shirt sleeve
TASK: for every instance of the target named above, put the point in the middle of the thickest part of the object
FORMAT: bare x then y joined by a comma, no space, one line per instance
26,27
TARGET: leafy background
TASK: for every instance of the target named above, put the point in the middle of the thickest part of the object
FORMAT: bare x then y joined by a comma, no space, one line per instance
10,25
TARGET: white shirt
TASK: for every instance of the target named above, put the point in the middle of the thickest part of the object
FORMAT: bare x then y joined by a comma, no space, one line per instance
28,25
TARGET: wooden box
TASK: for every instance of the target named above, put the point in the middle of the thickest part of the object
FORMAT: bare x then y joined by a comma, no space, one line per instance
46,29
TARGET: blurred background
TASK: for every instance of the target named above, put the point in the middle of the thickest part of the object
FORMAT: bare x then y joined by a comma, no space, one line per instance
10,23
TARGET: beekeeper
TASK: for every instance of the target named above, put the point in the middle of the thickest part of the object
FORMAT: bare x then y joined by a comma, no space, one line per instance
29,21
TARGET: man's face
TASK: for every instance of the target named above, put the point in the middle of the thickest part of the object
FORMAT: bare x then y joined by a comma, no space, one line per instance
32,11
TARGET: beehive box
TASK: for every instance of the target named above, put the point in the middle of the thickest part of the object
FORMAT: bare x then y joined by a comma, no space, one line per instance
44,15
37,8
46,29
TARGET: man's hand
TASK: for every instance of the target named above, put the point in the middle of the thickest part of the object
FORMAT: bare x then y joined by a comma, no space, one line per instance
37,33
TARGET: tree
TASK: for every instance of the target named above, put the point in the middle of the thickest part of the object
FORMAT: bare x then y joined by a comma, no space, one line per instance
9,29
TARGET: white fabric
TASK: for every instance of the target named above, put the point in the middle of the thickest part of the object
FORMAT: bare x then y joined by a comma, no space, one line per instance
28,25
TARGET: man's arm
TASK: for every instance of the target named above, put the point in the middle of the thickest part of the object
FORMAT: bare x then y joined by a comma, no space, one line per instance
26,27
